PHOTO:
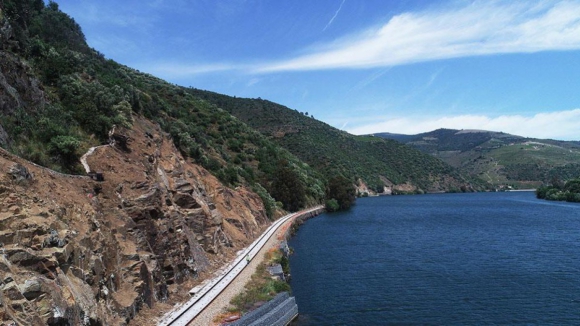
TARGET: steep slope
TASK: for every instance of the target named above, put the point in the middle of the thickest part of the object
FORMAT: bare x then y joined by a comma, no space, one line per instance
77,251
60,97
500,158
375,161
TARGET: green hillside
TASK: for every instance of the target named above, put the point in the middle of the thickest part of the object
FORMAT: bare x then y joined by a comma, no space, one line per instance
64,97
500,158
331,151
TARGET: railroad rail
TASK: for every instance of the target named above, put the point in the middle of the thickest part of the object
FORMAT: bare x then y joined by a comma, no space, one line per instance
185,313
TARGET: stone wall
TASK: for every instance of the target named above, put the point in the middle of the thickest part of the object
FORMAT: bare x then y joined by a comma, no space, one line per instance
278,311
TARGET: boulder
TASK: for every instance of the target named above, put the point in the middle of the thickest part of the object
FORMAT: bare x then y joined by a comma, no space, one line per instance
31,289
19,173
216,218
185,201
183,186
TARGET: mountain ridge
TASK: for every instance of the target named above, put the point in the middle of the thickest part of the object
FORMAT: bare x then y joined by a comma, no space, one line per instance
379,164
503,159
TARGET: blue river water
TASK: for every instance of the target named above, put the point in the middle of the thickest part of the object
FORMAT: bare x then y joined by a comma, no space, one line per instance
440,259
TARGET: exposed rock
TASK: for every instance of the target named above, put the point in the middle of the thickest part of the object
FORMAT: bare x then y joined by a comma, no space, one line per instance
98,258
4,137
183,186
185,201
19,173
31,289
5,31
18,87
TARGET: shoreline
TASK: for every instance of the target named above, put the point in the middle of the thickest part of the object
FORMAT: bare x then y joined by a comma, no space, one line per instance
237,285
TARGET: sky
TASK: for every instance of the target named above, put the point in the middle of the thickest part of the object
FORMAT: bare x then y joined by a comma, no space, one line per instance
363,66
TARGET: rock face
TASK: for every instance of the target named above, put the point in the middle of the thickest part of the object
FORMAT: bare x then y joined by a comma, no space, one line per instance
74,251
4,137
18,86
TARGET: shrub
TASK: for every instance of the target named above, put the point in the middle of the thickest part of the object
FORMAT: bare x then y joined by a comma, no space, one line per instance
332,205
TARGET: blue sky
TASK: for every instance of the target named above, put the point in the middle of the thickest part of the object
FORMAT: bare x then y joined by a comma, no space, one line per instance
364,66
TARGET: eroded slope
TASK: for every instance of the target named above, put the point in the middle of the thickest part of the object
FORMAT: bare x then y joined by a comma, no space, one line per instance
79,251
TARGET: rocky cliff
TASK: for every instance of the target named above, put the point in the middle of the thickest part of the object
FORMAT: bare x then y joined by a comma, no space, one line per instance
76,251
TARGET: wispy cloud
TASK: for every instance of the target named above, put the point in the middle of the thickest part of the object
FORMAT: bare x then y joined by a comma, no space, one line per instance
253,82
433,77
371,78
480,28
170,70
557,125
121,16
333,17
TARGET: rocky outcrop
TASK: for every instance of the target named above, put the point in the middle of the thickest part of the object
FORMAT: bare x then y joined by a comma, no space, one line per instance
4,137
18,86
6,32
74,251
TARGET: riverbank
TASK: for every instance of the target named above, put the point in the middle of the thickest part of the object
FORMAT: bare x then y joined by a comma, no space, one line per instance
237,285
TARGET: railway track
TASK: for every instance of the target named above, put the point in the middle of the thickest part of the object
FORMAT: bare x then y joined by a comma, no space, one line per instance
189,310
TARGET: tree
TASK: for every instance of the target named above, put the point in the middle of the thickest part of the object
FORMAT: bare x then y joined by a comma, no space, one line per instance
342,190
288,188
332,205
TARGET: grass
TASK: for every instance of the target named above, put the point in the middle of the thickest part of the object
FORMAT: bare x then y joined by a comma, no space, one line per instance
261,287
541,154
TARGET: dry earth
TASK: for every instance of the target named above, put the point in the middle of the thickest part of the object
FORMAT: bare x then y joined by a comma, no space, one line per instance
122,251
221,303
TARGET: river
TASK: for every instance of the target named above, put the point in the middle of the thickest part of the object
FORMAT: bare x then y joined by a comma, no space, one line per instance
440,259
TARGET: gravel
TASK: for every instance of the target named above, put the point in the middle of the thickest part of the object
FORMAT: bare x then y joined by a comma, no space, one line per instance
237,285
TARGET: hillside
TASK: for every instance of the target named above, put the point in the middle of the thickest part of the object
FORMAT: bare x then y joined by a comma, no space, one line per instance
500,158
64,97
186,183
383,165
81,252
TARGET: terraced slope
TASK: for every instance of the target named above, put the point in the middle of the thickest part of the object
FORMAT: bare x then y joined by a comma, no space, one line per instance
499,158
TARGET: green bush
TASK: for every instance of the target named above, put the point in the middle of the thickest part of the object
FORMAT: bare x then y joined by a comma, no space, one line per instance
332,205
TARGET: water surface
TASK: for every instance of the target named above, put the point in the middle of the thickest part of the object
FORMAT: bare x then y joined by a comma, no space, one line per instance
486,258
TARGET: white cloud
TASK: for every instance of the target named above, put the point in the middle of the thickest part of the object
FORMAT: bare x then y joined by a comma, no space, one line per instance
563,125
481,28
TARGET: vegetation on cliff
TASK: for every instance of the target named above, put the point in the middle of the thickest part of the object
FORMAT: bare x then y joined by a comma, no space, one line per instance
334,152
569,191
68,97
79,97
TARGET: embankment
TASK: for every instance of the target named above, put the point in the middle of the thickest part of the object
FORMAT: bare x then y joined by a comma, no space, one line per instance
282,309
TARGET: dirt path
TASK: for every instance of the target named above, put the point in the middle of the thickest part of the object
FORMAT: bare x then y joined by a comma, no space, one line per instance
237,285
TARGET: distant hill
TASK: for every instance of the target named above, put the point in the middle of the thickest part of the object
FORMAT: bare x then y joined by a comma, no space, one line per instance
375,161
499,158
398,137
